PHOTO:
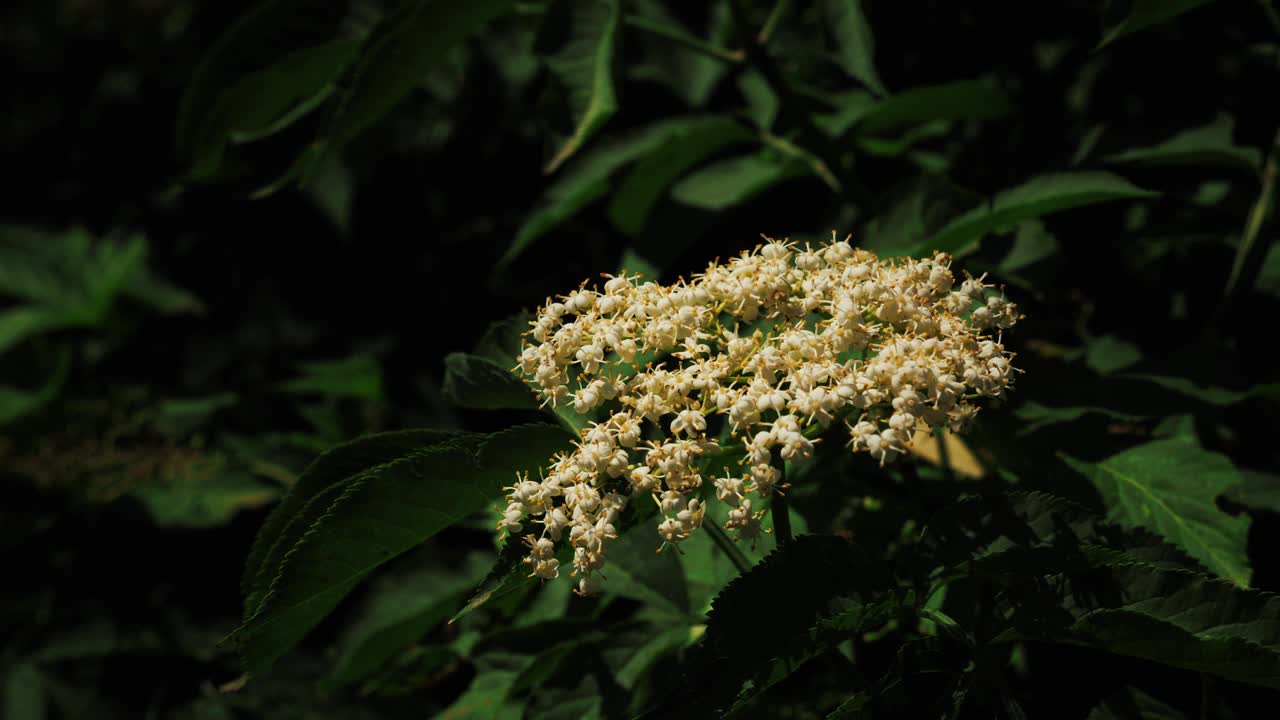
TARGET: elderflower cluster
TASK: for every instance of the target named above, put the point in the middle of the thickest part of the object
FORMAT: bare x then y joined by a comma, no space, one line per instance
752,360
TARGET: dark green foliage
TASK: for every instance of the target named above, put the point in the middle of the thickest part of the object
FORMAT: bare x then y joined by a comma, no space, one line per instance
244,244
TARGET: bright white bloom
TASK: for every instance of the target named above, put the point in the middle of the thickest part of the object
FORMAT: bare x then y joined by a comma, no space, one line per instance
751,361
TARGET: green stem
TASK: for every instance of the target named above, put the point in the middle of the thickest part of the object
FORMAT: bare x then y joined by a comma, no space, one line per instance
781,517
683,38
728,547
1251,253
779,11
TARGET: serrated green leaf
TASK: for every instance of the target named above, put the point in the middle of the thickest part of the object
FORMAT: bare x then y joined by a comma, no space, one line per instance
1171,616
327,471
403,48
375,516
1210,145
474,382
797,582
1036,198
585,65
1146,13
855,43
1169,487
686,147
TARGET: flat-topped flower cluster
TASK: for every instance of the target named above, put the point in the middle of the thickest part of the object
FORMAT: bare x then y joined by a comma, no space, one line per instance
752,359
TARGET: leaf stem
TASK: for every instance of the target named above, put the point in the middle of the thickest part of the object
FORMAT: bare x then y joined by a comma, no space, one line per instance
780,10
781,517
728,547
1251,253
680,37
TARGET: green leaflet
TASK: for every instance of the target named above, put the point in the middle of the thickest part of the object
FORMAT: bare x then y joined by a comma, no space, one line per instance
485,380
16,402
586,180
265,101
854,41
1171,616
1170,487
1035,198
358,376
329,539
72,280
961,100
397,613
272,30
797,583
1197,147
727,183
474,382
685,148
585,64
330,469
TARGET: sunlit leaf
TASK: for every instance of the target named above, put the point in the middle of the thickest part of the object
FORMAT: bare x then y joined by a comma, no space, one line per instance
1170,487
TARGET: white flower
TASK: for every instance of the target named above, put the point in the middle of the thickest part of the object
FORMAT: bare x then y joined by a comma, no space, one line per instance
766,350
